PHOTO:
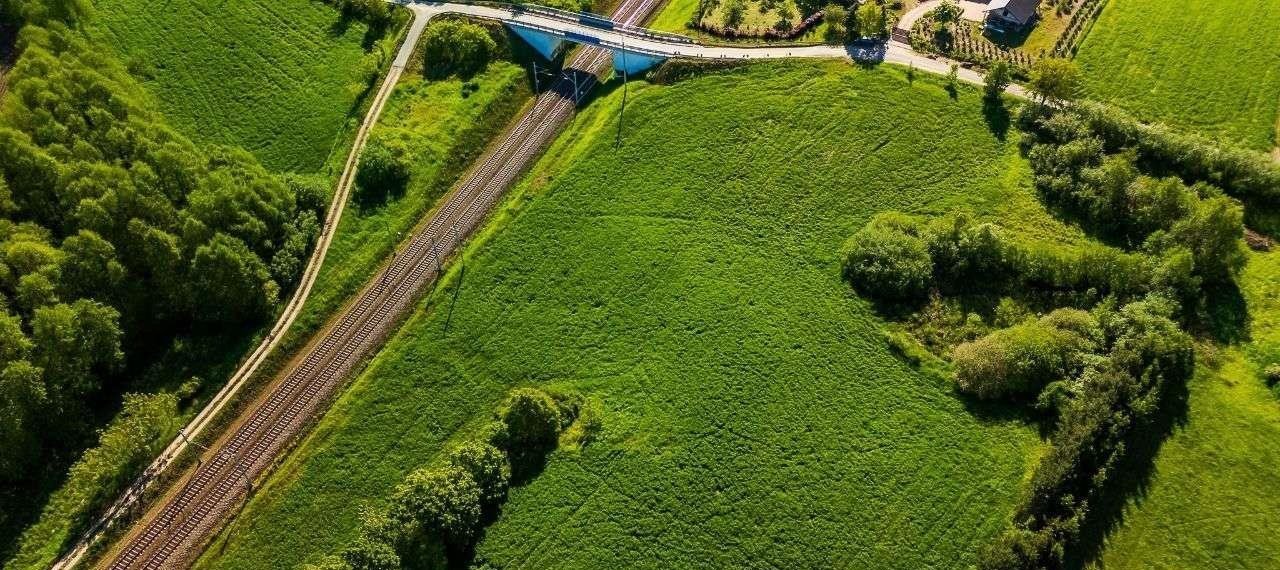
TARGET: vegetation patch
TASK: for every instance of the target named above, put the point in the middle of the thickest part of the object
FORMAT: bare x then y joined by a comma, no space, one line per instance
752,411
431,130
1201,65
1108,370
122,241
437,514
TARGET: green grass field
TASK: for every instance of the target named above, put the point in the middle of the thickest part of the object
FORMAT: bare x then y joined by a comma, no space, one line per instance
1210,503
272,77
689,282
1202,64
444,129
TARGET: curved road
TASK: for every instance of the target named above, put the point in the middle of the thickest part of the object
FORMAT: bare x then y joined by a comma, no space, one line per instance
666,45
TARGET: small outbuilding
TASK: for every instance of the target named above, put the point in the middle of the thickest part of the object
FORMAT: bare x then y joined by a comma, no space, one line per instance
1011,13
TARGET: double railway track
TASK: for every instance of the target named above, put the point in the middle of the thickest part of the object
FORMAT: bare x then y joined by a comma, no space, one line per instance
172,534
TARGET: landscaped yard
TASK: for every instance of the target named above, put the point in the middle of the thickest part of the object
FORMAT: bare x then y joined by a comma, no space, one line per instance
1205,65
689,282
277,78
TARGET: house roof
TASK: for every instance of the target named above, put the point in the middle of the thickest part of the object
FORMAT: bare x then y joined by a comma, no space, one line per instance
1022,10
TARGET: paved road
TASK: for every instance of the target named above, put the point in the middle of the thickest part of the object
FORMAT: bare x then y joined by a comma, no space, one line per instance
660,44
973,11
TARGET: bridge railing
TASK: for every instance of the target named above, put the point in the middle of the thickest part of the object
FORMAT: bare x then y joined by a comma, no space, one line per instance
583,18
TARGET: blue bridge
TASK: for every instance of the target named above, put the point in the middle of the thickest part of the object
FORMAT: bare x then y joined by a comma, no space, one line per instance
548,41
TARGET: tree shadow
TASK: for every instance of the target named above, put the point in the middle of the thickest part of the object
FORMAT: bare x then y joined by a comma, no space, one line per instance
1135,472
997,117
866,53
1223,313
340,26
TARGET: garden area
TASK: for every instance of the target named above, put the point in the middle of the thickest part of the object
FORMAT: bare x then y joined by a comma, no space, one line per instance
1056,31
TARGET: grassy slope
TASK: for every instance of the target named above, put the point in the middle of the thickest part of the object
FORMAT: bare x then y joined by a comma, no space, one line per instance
1203,64
1210,504
441,128
753,414
271,77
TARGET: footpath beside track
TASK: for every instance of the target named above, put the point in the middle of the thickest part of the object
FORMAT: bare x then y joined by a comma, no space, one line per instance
292,310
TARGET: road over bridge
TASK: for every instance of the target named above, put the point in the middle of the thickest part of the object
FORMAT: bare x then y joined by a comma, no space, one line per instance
547,29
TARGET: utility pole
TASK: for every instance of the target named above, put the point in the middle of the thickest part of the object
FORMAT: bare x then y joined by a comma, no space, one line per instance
183,434
537,87
617,144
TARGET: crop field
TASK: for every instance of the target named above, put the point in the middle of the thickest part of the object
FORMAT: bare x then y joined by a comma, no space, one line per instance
689,283
444,125
273,77
1209,504
1203,65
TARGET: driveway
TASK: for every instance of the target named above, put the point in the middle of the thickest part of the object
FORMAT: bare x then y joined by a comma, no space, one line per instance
973,11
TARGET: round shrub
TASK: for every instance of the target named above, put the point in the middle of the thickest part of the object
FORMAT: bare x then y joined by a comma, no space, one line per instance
368,554
887,263
442,502
1022,359
454,47
489,468
383,170
532,420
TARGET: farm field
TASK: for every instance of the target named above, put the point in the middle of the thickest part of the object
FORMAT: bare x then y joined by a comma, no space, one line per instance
1208,504
275,78
1223,79
689,283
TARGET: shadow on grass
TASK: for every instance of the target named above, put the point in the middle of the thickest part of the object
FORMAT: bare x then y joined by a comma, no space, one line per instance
1223,313
866,53
997,117
1135,472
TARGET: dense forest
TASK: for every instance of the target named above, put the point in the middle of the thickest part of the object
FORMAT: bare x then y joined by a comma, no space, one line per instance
118,235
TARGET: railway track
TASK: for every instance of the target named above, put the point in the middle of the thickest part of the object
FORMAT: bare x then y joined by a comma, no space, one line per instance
173,535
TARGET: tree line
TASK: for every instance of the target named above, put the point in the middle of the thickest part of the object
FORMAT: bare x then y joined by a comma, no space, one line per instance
435,516
1102,372
117,234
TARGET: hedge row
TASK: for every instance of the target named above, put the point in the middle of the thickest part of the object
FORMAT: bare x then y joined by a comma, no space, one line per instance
437,512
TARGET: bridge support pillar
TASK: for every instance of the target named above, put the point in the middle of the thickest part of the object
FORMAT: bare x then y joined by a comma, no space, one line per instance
546,44
632,63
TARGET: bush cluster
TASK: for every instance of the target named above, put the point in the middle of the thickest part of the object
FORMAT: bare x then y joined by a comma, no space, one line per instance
1114,398
1244,174
1020,360
376,13
383,171
436,513
1163,217
897,258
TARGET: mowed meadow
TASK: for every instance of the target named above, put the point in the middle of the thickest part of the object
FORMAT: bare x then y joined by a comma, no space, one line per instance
279,79
688,283
1202,65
